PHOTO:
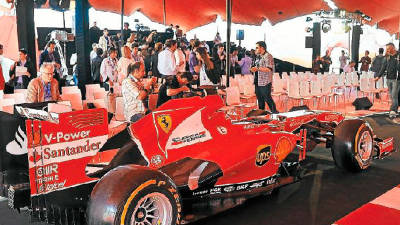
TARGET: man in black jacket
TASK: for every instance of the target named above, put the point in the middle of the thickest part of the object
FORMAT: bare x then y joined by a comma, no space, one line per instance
21,81
51,55
96,64
391,66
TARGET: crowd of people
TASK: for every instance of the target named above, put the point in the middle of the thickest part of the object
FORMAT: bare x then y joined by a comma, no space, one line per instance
178,65
323,64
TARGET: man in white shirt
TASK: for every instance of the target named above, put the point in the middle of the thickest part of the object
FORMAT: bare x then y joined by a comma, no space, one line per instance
93,53
108,69
180,60
5,65
166,59
134,91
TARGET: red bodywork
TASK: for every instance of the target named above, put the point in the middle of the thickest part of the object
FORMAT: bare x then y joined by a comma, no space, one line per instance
196,128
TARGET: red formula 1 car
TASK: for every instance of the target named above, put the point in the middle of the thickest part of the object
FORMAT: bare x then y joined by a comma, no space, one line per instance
183,156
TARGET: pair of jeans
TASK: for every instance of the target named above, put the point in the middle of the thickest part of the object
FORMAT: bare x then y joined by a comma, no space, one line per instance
136,117
394,87
263,94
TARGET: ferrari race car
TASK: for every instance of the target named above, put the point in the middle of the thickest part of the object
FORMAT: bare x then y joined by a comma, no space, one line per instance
80,168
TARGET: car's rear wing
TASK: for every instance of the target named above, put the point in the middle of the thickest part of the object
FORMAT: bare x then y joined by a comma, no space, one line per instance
60,146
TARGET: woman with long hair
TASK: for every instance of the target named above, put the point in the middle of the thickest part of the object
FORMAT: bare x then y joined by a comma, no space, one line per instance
205,67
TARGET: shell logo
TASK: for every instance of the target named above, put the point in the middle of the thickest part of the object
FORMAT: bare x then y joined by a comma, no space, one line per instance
283,149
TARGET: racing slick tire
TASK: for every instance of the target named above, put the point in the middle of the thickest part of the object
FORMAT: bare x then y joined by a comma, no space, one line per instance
353,145
131,195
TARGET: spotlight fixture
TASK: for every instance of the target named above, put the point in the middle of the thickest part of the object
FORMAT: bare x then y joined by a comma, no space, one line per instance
366,18
326,26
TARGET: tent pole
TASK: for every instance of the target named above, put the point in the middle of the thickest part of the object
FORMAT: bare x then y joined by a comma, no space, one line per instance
122,18
65,43
164,13
228,39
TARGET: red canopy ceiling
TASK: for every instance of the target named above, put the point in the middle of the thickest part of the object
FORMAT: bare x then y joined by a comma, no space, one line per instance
392,25
193,13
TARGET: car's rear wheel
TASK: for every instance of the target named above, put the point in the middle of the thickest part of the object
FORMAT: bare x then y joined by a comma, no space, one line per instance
151,206
353,145
131,195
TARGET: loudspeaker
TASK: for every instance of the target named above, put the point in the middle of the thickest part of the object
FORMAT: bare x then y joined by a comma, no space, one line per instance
316,40
240,35
355,44
362,103
60,5
298,108
309,42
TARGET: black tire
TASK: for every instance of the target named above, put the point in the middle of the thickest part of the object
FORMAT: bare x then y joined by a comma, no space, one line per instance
117,198
348,152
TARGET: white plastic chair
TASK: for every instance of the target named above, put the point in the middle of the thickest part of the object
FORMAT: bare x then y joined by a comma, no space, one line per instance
316,92
119,109
19,98
100,103
90,89
59,108
75,99
70,89
99,94
293,90
22,91
7,105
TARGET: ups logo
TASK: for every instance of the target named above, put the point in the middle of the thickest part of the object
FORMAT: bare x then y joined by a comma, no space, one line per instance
263,155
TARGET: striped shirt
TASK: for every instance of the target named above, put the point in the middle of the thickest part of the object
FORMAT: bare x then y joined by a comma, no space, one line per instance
130,94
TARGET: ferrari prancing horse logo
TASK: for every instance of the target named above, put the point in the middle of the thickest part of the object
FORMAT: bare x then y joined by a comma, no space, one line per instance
165,122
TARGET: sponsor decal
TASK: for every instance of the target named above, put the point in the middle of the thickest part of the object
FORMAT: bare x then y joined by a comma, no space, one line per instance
49,153
222,130
35,157
189,132
37,114
188,138
63,137
216,190
332,117
263,155
203,192
237,187
229,189
157,160
18,146
165,122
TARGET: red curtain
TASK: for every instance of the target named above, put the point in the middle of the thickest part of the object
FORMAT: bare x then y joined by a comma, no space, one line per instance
9,37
